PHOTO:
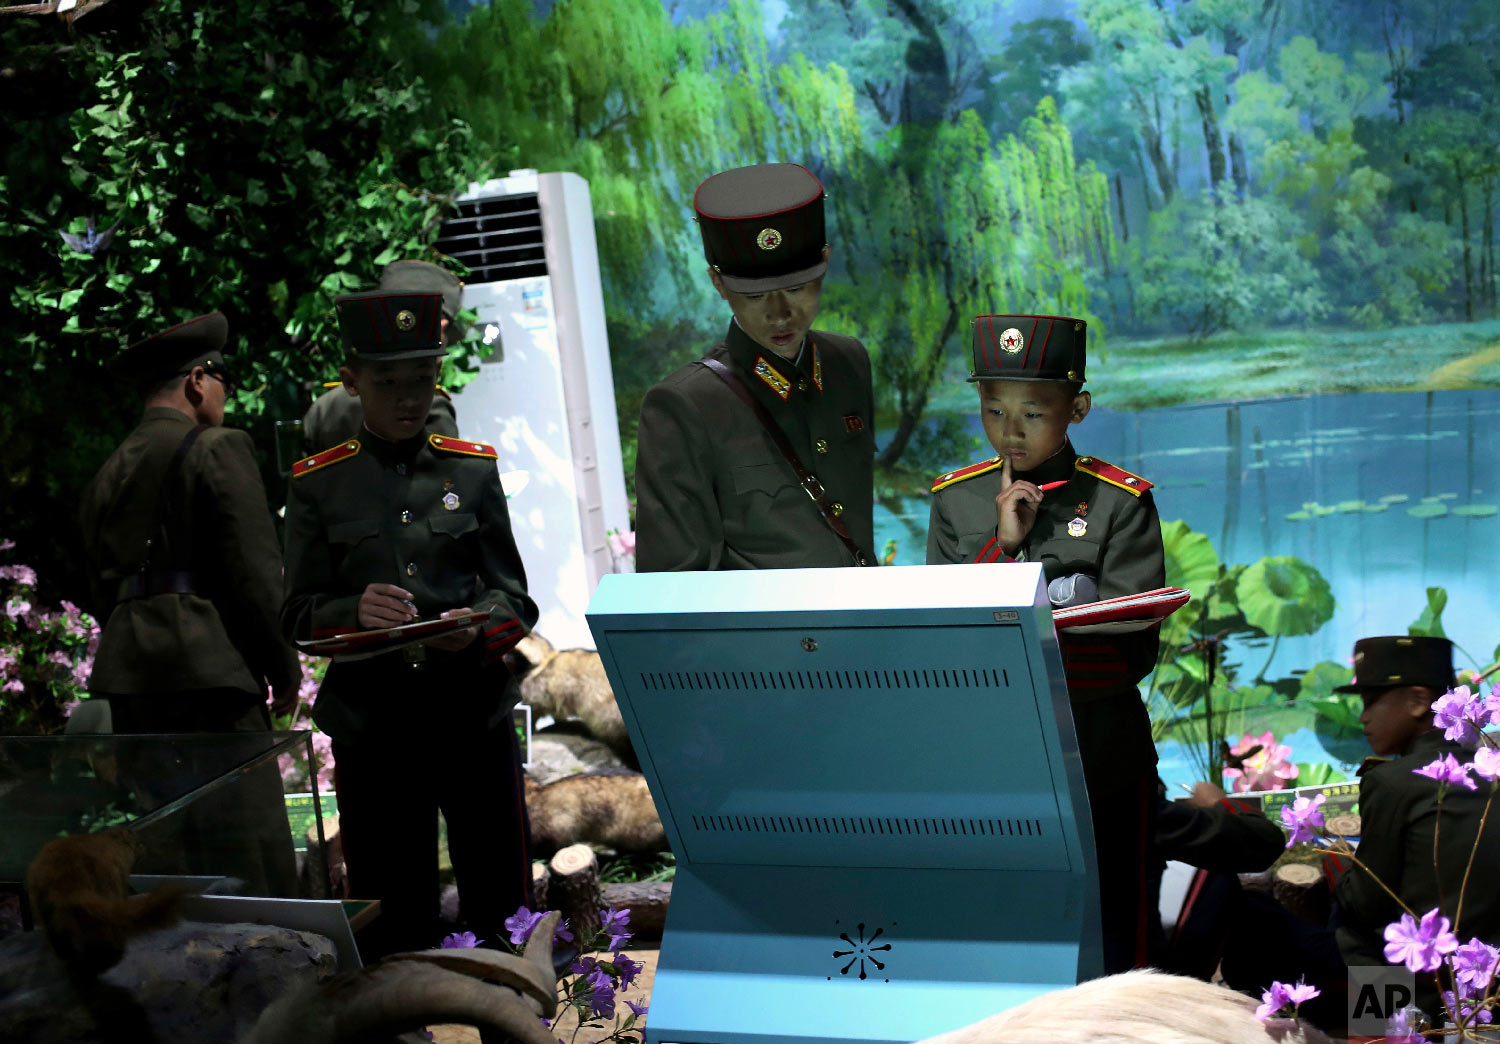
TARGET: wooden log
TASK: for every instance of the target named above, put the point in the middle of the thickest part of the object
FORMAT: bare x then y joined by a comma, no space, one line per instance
573,888
1346,825
647,902
540,876
1260,881
1302,890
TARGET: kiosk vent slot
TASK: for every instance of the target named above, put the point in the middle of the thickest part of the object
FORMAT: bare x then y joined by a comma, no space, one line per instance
856,679
893,826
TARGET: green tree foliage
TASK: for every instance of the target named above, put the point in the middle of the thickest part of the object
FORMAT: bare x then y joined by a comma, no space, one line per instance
251,158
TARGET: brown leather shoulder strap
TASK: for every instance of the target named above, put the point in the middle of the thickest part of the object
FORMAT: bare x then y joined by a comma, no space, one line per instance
806,479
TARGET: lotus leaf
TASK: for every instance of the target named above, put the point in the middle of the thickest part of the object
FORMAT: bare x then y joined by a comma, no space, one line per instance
1430,623
1284,596
1322,678
1427,510
1298,516
1477,510
1375,509
1324,509
1192,562
1349,507
1394,498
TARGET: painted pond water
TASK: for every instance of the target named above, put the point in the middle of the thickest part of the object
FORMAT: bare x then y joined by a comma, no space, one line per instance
1386,494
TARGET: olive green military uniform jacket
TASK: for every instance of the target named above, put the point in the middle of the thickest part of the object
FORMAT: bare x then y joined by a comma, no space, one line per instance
713,491
1399,818
336,416
222,635
428,515
1103,523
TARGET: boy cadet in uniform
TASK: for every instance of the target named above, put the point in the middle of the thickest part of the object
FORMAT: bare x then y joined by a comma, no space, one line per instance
185,573
1398,678
381,529
334,416
1094,528
761,454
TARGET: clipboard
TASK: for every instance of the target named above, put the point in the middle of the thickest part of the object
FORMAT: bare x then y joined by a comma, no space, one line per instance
358,645
1121,615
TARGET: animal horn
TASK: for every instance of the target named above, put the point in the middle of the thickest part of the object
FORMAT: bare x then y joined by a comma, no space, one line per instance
506,969
400,997
539,947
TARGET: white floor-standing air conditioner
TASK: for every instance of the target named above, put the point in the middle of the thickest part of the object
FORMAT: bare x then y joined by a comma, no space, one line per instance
545,397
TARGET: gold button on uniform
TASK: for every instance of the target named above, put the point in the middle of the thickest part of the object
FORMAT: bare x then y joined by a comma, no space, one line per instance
821,445
836,508
802,385
411,569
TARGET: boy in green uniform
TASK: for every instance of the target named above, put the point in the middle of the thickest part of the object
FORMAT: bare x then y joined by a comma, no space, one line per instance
1399,677
761,454
334,416
380,530
1094,528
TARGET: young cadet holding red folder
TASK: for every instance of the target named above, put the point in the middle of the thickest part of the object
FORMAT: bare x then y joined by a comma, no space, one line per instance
396,524
1094,528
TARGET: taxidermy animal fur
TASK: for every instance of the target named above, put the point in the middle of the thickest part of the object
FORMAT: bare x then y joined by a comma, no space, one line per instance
570,684
602,808
1136,1007
80,891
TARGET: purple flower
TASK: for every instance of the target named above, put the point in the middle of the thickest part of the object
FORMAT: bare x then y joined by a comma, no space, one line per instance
1304,817
1474,967
583,966
1487,763
1460,714
1301,993
602,993
521,924
617,942
1420,946
1398,1029
1466,1011
628,969
611,920
1272,1001
562,934
461,941
639,1009
1447,771
1492,702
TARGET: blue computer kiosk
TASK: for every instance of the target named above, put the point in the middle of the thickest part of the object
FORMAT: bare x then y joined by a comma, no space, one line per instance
871,783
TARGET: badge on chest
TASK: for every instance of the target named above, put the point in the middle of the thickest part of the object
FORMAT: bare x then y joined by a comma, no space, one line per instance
1078,527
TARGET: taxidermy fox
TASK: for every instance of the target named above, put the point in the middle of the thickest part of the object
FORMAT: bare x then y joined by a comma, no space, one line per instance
570,684
80,891
603,808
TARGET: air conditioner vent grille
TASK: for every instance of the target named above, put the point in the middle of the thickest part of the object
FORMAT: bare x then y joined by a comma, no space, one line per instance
878,826
499,238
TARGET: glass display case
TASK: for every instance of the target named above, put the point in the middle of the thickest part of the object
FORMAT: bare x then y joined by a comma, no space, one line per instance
203,805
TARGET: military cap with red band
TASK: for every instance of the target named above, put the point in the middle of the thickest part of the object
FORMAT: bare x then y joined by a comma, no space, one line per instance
1029,348
380,326
197,342
762,226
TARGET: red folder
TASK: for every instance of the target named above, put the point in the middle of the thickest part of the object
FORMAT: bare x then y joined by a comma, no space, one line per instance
1128,613
354,645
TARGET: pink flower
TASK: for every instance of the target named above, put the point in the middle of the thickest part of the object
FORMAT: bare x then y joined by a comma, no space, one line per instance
1267,769
6,545
1487,763
1280,995
13,686
16,608
1448,772
1421,946
7,659
1461,715
622,543
21,574
1304,817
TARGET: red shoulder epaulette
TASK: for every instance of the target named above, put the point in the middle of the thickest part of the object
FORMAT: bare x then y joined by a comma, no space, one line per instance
1240,808
472,449
444,392
944,481
1107,472
343,451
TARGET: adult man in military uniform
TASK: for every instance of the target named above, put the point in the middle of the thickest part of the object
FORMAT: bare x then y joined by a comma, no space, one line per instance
1094,529
1398,677
335,415
186,576
397,524
760,455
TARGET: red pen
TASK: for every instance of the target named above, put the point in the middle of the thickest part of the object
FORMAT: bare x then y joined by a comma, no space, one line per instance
1052,485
